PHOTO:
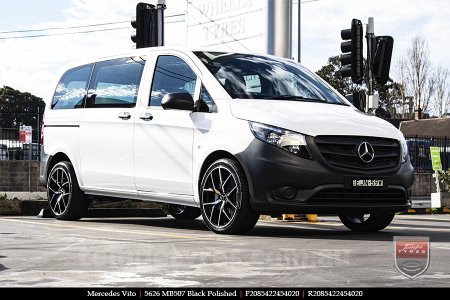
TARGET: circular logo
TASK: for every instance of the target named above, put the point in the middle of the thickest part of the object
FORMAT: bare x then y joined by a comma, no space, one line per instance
366,152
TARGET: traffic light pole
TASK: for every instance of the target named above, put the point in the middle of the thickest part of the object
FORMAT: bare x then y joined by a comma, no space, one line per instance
160,7
370,37
379,53
372,100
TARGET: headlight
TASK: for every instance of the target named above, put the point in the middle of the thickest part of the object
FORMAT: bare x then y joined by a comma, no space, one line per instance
285,139
404,150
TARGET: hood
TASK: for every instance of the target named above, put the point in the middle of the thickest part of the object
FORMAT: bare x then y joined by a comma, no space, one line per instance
312,118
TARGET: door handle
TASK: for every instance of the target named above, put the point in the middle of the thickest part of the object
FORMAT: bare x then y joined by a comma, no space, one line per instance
146,116
125,115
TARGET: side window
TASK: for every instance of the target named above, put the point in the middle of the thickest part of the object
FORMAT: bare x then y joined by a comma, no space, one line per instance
207,99
115,83
71,90
172,75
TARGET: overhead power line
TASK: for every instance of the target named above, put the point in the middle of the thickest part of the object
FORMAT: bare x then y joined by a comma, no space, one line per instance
80,26
62,33
69,33
305,1
62,28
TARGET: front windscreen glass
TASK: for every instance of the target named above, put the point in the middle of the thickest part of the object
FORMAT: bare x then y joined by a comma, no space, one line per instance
246,76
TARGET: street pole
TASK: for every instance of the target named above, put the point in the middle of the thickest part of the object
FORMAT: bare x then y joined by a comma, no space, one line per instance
370,36
299,34
160,7
372,101
279,28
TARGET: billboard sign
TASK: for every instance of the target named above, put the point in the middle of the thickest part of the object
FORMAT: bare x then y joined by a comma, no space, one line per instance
238,25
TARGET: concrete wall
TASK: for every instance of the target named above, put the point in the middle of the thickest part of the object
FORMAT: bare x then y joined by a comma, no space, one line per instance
424,185
14,176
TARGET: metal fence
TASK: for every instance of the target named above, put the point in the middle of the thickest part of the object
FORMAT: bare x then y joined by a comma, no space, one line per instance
11,148
419,151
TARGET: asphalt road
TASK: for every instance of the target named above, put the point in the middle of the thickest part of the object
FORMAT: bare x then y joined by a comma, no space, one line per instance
166,252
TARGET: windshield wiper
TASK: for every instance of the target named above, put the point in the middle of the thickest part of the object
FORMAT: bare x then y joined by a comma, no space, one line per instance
291,97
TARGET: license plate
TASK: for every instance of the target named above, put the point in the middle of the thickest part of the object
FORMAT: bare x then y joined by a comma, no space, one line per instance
367,182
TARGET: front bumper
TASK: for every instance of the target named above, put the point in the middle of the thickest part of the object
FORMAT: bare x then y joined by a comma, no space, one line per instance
318,187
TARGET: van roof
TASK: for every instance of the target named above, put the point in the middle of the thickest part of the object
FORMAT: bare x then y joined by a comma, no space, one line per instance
131,52
144,51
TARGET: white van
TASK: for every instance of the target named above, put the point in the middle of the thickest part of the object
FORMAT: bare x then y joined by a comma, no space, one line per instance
228,136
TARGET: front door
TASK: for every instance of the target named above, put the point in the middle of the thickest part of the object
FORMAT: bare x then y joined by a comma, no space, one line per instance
164,138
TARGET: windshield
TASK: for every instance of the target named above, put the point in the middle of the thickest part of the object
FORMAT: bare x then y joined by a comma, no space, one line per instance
247,76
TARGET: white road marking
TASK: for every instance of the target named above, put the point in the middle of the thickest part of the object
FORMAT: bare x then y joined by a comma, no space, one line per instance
102,229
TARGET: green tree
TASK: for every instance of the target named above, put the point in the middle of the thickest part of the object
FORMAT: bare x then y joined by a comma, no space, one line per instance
389,93
19,108
331,74
390,103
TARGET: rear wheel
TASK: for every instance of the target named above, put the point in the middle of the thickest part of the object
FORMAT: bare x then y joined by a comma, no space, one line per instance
367,222
65,198
225,199
182,212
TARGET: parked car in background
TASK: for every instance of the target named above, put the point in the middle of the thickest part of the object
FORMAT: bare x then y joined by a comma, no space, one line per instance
31,151
15,153
4,152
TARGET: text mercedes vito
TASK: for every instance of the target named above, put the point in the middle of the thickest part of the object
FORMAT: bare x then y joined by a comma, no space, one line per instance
229,136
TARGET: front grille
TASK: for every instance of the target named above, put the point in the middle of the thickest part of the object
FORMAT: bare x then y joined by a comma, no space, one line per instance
342,152
359,196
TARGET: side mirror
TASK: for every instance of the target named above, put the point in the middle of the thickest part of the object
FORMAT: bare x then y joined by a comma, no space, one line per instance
180,101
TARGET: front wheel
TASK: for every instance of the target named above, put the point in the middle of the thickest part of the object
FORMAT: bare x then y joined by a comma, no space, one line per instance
65,198
225,199
367,223
182,212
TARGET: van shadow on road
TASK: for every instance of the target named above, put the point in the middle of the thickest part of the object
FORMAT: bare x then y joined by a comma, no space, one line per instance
2,267
291,230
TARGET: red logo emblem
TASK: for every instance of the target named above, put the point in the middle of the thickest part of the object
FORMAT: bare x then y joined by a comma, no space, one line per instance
412,255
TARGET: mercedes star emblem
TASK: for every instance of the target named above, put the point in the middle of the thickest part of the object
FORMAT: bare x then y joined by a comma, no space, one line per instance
366,152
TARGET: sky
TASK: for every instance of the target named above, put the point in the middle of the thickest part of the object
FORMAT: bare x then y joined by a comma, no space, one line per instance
33,64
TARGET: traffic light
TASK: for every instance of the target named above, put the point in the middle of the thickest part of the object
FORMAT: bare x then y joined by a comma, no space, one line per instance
352,52
145,24
382,60
358,99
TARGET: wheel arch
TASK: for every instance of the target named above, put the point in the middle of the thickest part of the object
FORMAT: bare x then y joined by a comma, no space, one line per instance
58,157
212,157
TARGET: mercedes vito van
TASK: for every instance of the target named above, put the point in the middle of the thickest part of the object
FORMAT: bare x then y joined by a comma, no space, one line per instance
228,136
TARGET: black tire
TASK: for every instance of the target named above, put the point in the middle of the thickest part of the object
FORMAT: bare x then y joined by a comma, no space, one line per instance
231,199
65,198
375,222
181,212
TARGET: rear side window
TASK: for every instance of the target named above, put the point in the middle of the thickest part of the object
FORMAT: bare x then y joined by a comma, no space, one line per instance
71,90
115,83
172,75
